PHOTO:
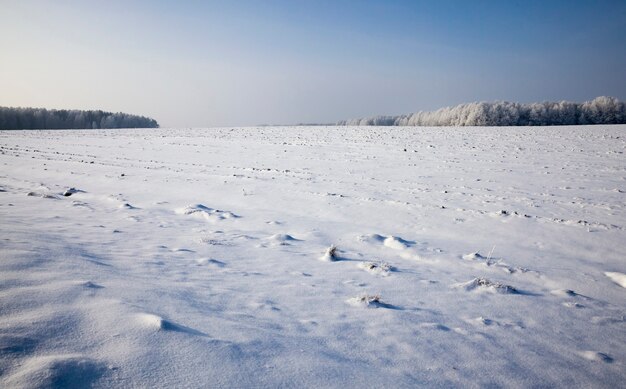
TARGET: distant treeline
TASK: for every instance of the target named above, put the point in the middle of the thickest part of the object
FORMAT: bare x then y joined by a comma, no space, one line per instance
40,118
601,110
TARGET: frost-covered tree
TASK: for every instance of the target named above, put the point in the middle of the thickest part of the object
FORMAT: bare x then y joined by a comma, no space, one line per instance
601,110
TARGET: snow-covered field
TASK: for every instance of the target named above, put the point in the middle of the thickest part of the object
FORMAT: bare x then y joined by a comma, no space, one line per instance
465,257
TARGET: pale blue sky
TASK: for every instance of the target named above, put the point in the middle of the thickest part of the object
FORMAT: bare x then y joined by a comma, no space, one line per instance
213,63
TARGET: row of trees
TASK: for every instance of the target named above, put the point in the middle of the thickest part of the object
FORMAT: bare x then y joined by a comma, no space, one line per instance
40,118
601,110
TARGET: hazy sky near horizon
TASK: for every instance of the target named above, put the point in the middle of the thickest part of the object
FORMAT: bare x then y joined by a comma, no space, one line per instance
218,63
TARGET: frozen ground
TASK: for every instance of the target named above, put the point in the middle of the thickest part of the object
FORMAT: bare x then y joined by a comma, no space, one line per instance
473,257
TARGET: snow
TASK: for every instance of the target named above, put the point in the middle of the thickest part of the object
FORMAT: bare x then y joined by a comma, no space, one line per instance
191,257
618,278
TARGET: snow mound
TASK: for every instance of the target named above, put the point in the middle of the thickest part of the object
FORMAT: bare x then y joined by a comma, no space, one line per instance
43,195
395,243
390,241
434,326
572,304
366,300
618,278
91,285
157,323
379,268
483,284
330,255
595,356
564,293
482,321
282,239
371,238
210,262
71,191
206,212
57,371
153,322
476,256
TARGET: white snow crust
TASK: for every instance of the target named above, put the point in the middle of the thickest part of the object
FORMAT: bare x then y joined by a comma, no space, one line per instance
464,257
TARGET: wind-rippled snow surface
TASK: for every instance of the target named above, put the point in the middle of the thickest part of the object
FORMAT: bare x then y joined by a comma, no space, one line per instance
473,257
